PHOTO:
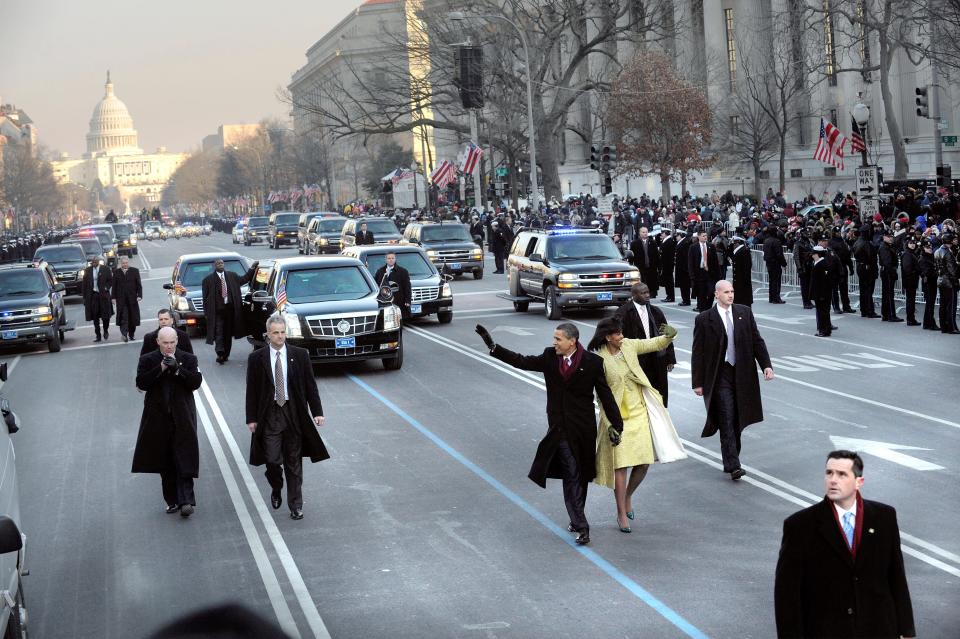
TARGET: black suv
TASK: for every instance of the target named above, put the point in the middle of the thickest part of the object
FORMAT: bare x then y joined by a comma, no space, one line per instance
126,239
185,285
323,234
568,268
282,229
67,260
91,247
448,245
31,306
256,230
333,308
303,225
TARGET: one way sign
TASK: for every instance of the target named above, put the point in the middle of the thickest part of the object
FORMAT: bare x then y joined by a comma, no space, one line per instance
867,181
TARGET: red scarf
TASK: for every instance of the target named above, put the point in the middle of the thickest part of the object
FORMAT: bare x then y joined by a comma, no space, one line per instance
574,363
857,525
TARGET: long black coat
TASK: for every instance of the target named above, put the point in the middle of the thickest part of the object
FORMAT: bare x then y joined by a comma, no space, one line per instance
683,270
302,394
668,252
910,268
654,364
150,342
773,251
97,304
712,274
570,413
168,426
823,590
742,276
401,277
866,255
821,281
210,288
709,348
647,273
127,289
360,238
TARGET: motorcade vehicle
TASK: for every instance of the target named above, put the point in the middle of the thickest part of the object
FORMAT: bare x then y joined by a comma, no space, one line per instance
430,292
302,226
323,235
91,247
448,245
282,229
126,238
332,307
206,229
68,261
108,240
153,230
237,232
31,306
383,229
186,279
13,610
256,230
568,267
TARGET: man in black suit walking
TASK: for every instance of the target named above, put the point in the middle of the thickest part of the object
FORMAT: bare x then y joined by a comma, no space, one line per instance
726,350
742,262
97,304
283,413
642,320
363,236
702,265
840,571
646,257
222,308
165,318
127,291
568,451
393,273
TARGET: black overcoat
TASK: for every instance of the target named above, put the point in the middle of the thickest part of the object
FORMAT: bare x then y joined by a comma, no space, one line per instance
651,256
302,394
693,263
683,271
654,364
127,289
742,276
823,590
168,426
150,342
97,304
570,412
709,348
401,277
360,238
210,288
668,251
821,281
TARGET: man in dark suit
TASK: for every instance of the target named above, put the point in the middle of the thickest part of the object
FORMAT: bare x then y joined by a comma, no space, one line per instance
568,451
283,413
776,261
167,442
726,350
821,290
97,304
668,253
646,257
127,291
865,253
222,307
702,265
840,571
642,320
742,262
683,269
393,273
363,236
165,318
889,266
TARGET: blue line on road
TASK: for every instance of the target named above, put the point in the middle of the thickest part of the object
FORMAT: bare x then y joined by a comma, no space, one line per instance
636,589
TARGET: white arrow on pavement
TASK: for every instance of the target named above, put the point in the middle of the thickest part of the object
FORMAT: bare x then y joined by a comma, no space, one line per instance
516,330
883,450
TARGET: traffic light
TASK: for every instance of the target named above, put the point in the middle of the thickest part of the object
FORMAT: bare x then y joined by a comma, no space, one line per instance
923,102
607,185
608,158
595,158
468,76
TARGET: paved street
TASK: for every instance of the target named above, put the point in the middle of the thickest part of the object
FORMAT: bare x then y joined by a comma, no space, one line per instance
423,523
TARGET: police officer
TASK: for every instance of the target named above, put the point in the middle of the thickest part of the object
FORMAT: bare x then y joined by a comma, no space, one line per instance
910,270
866,255
948,278
928,277
841,294
821,289
802,258
889,261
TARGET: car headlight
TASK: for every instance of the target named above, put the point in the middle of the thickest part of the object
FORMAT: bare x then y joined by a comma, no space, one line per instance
567,277
431,253
391,318
477,253
133,239
323,241
110,253
293,324
183,304
445,290
279,233
253,232
631,275
80,273
42,310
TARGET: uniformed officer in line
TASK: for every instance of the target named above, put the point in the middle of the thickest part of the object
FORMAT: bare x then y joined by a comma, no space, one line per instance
821,290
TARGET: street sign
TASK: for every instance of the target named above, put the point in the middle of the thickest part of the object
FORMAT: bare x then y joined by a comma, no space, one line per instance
868,182
605,205
869,206
502,171
949,140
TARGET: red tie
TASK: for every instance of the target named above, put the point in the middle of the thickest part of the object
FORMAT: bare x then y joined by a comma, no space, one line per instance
564,365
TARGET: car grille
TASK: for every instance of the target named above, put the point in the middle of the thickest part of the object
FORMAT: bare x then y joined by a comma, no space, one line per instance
354,323
344,352
197,303
453,256
425,294
67,277
15,318
600,280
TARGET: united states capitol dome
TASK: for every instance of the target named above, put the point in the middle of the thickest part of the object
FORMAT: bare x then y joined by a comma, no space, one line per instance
111,127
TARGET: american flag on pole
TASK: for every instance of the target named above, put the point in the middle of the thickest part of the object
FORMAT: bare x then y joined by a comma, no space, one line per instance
830,146
444,174
282,294
470,159
856,139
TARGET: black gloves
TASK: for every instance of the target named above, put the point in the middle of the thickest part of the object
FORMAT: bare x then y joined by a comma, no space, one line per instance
485,336
170,362
614,435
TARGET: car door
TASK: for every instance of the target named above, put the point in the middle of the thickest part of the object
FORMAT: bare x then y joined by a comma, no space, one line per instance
347,234
255,314
530,279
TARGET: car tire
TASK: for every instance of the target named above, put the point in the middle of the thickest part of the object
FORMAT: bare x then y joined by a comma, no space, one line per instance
53,344
395,363
550,308
14,629
478,274
445,318
521,307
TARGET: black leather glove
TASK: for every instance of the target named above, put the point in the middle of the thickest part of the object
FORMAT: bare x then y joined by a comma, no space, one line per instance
614,435
170,362
485,336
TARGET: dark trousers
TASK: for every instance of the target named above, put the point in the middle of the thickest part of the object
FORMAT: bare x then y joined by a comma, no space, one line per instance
805,288
867,284
125,325
666,281
823,316
841,296
929,302
223,331
701,287
910,292
683,283
948,309
649,277
177,487
888,308
282,449
97,321
498,259
774,274
725,406
574,488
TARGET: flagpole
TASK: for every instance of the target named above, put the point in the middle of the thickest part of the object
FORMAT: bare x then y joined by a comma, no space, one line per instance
475,135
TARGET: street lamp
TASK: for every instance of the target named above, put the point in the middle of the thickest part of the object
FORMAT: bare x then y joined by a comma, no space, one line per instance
861,114
460,16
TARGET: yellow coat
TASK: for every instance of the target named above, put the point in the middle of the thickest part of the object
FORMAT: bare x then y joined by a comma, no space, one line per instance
631,348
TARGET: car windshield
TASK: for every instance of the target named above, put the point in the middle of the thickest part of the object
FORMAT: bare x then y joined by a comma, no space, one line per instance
22,282
121,230
60,253
418,267
257,222
330,226
90,247
287,219
325,284
582,247
193,273
445,233
380,226
104,231
239,226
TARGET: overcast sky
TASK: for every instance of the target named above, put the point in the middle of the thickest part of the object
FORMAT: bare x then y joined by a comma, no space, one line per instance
183,67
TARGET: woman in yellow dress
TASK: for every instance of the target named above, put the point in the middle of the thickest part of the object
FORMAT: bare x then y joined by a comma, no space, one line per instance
648,434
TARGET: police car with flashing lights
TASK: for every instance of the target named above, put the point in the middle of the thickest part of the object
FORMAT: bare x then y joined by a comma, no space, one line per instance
31,306
567,268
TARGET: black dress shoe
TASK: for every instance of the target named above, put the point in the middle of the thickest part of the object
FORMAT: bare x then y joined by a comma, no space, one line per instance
737,474
895,319
583,538
186,510
172,508
913,323
849,310
275,499
779,302
953,332
125,339
683,304
669,299
296,514
872,316
97,339
931,328
808,307
822,334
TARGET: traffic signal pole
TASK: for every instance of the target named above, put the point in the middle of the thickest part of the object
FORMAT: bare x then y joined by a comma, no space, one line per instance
478,195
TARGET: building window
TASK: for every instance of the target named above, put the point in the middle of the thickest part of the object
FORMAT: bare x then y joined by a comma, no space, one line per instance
830,171
734,125
764,175
830,58
731,47
796,173
833,117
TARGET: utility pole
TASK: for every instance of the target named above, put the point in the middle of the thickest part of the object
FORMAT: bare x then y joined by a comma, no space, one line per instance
475,138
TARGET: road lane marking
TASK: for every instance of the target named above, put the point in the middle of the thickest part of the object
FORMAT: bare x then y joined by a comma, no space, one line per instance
538,383
884,450
595,558
306,602
267,574
143,259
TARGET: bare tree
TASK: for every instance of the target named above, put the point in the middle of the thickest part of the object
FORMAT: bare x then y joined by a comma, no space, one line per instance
747,135
195,181
27,184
